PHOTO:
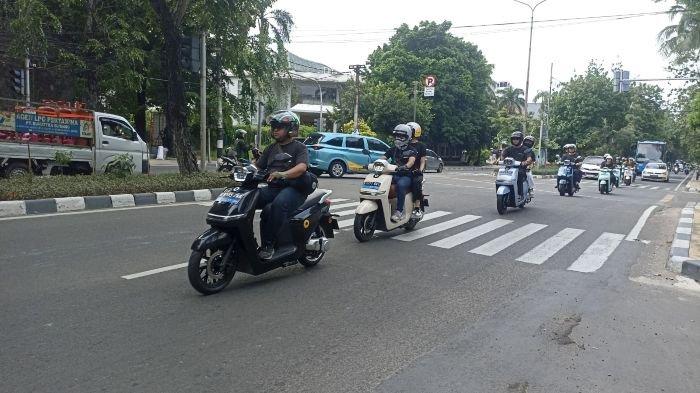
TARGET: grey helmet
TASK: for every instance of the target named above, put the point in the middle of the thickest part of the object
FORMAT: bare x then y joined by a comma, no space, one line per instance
402,135
529,141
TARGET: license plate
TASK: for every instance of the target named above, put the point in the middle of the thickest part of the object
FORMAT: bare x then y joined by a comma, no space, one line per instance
229,197
371,185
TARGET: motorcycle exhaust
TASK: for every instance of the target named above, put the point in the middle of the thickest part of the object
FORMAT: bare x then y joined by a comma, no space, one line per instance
320,244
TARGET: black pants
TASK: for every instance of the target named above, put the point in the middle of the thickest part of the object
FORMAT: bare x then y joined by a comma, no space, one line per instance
578,175
278,204
417,187
521,178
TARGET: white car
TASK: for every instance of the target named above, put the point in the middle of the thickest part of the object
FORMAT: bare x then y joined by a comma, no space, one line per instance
655,171
591,166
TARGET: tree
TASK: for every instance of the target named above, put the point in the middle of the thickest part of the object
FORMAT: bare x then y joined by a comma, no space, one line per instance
512,100
461,103
682,40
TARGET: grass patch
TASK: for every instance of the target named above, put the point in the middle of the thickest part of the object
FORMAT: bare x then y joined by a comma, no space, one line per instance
70,186
545,170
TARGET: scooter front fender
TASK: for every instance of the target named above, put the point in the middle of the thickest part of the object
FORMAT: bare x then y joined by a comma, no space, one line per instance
211,239
503,190
366,206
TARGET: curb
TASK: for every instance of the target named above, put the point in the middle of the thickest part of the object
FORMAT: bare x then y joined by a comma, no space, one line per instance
679,259
72,204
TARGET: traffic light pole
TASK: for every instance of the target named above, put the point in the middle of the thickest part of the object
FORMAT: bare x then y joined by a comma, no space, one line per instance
204,149
27,90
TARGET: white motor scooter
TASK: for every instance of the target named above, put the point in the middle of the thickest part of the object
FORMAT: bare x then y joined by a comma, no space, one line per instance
507,187
378,201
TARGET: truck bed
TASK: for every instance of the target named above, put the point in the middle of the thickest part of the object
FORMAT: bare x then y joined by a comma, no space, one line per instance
43,151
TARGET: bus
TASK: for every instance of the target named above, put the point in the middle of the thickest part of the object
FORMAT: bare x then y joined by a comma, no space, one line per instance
649,151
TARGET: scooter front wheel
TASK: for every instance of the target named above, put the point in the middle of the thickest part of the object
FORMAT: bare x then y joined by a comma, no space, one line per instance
502,203
207,271
363,226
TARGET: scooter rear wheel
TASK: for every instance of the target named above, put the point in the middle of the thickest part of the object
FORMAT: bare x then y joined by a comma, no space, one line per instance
312,258
207,271
363,227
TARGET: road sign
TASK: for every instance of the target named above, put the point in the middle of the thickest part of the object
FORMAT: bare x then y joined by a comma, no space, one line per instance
429,91
430,81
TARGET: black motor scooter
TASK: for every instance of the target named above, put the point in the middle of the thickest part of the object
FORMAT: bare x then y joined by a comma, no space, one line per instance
230,244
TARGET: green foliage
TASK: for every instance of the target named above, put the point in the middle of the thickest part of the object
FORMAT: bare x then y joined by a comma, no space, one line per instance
682,40
462,95
362,125
63,158
68,186
511,100
121,166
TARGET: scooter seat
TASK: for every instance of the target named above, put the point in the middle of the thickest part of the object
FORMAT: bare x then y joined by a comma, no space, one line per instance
311,200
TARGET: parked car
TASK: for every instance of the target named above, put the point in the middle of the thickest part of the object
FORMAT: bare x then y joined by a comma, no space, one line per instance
433,162
338,154
655,171
591,166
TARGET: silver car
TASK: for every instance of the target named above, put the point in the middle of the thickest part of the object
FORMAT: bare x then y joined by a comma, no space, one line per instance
433,162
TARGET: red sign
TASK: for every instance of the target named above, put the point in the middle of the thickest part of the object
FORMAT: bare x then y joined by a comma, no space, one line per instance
430,81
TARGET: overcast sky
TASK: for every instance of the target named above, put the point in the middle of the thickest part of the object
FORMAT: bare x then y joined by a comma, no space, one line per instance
340,33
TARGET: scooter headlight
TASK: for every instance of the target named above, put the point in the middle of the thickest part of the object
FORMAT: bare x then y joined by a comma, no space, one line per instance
240,174
378,167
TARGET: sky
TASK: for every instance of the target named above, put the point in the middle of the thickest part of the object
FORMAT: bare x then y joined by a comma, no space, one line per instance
340,33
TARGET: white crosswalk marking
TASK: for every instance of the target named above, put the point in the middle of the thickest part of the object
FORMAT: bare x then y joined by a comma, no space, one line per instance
344,213
551,246
426,217
643,186
336,200
597,253
433,229
344,205
654,188
502,242
470,234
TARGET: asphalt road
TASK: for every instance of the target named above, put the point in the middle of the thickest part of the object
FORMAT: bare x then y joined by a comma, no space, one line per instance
449,311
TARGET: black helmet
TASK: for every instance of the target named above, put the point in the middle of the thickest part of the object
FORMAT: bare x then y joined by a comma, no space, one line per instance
516,135
287,120
529,141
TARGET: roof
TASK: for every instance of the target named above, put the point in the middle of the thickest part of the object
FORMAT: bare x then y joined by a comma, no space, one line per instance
311,108
299,64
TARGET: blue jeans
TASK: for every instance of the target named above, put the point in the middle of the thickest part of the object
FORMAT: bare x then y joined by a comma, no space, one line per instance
282,203
403,184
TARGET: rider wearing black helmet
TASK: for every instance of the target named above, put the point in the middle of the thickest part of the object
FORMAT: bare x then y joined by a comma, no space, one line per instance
405,156
571,155
281,198
516,150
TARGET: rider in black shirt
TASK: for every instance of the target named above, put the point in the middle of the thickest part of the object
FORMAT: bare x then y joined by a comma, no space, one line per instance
417,186
517,151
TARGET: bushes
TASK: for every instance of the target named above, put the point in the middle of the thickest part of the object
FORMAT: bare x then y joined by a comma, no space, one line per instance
67,186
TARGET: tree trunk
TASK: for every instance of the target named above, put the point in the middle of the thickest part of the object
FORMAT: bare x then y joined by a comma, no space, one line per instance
91,80
175,107
140,118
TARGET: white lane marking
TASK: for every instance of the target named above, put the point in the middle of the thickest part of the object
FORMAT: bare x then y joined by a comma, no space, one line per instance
688,211
667,189
344,213
470,234
654,188
634,233
551,246
154,271
426,217
685,220
683,181
344,205
502,242
433,229
643,186
678,243
336,200
684,230
597,253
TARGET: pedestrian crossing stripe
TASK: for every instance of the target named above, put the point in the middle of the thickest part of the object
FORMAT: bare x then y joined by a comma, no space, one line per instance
470,234
502,242
597,253
551,246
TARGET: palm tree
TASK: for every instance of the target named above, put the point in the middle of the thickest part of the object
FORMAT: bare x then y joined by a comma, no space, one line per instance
682,39
511,100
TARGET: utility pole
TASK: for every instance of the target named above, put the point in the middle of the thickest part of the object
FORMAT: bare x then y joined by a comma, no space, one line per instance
357,68
415,99
27,90
529,52
203,151
220,125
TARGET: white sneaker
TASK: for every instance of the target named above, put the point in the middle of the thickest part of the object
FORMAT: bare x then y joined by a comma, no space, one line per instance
397,216
417,214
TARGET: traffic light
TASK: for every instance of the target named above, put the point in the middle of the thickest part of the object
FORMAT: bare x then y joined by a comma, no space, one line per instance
17,81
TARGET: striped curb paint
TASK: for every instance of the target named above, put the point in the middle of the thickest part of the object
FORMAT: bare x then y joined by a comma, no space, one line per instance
679,260
71,204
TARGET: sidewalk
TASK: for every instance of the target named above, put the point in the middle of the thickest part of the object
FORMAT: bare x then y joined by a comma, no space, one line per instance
693,186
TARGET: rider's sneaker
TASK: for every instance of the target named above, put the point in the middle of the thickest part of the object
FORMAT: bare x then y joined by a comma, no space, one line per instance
266,251
417,214
397,216
531,191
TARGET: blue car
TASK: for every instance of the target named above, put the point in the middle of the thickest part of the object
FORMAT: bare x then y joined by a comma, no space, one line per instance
338,154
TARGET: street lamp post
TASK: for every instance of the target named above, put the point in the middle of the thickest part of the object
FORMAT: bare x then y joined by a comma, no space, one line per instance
529,50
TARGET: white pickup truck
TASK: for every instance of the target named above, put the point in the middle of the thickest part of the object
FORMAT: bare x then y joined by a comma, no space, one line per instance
32,138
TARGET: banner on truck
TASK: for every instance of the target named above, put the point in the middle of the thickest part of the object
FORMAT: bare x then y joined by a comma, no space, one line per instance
7,121
33,123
